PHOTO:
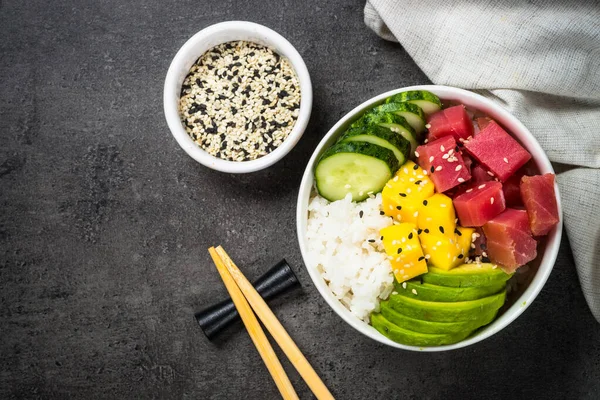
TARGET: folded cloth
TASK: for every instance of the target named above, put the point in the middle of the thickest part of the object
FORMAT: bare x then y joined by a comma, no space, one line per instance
541,61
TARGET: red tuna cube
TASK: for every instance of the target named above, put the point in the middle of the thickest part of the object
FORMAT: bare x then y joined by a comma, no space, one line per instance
509,240
444,164
513,218
478,204
539,198
497,151
451,121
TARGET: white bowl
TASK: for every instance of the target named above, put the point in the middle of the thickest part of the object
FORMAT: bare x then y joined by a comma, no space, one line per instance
546,255
198,45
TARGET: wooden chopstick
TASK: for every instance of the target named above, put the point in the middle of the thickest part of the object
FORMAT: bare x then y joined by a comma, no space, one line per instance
255,331
277,330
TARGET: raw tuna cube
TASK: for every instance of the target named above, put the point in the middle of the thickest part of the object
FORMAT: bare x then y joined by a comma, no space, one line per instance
480,175
451,121
444,164
497,151
539,198
512,190
478,204
512,248
510,217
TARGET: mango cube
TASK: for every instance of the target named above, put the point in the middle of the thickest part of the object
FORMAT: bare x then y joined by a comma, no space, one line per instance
446,252
437,216
401,243
402,197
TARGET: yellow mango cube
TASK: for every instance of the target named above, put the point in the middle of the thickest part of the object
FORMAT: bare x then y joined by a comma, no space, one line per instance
437,216
403,195
401,243
446,252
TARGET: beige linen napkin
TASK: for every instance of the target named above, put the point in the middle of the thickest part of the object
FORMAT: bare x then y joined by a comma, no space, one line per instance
539,60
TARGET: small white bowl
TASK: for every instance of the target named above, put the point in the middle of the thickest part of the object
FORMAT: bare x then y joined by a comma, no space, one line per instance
198,45
546,255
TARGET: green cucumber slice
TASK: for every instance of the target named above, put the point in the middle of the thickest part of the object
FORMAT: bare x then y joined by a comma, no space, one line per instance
419,325
410,112
411,338
393,122
429,292
466,275
446,311
428,101
354,167
380,136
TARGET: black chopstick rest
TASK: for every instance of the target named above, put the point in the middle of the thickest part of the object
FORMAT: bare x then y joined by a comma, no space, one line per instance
219,316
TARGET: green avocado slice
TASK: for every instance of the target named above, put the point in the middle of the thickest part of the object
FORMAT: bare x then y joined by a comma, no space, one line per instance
446,311
466,275
418,325
429,292
411,338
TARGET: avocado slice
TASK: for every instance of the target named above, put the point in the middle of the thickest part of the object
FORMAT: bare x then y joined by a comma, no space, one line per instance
429,292
446,311
466,275
411,338
418,325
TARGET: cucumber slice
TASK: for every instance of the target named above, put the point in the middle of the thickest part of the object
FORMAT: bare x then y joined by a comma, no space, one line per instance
358,168
380,136
410,112
393,122
428,101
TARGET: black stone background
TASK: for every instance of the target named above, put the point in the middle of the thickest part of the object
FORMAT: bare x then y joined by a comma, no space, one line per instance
105,222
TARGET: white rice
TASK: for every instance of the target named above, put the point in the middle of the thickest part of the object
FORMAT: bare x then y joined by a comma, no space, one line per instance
356,270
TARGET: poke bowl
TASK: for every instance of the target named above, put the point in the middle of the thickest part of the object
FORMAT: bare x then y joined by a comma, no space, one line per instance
428,218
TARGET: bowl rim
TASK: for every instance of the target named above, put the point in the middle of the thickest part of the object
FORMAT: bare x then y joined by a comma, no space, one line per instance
220,33
549,256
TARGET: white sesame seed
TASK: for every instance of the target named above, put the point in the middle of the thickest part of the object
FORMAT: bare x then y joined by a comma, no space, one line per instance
442,148
468,190
490,173
414,291
395,179
458,168
408,190
491,200
505,160
445,156
416,214
417,154
430,158
439,243
442,205
461,180
481,186
405,170
427,256
404,285
438,168
428,126
347,186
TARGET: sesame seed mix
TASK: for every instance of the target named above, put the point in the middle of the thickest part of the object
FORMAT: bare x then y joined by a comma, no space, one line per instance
240,101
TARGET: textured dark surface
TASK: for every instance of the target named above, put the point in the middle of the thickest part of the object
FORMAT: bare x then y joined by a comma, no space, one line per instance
105,222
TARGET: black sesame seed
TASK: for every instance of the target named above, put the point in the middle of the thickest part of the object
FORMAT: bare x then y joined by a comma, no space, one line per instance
432,169
381,213
460,256
424,202
418,182
283,94
457,232
426,230
441,229
252,54
421,258
410,235
402,194
398,208
399,250
416,167
371,240
485,259
361,213
381,238
483,246
419,231
456,149
234,110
